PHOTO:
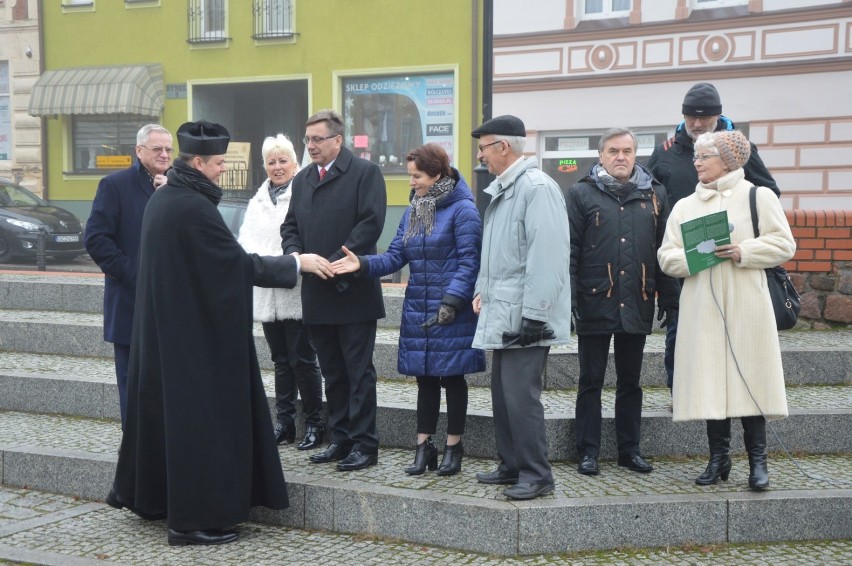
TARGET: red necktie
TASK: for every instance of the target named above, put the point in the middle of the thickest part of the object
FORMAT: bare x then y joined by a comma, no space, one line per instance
322,173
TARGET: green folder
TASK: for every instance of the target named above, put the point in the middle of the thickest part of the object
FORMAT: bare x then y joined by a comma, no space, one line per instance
701,236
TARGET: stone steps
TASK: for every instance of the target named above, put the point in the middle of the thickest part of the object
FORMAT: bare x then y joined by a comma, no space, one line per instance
810,357
76,456
59,432
85,387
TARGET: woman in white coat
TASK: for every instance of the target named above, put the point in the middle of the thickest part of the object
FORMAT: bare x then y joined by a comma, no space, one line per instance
280,310
728,359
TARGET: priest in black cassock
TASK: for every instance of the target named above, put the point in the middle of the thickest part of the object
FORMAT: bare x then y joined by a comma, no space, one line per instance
198,448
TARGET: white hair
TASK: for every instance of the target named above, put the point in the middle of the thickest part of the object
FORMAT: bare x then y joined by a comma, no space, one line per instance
279,144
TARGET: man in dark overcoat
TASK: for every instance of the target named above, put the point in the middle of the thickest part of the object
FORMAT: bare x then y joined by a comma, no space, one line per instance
198,447
112,239
340,200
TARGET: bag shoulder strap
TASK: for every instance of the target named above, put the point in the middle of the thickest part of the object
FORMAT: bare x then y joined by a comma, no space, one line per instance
752,203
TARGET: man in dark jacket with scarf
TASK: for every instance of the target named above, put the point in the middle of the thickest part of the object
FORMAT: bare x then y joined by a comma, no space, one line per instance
617,215
198,447
672,165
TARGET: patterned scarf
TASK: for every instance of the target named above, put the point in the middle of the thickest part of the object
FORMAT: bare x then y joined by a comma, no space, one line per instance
422,217
275,192
182,174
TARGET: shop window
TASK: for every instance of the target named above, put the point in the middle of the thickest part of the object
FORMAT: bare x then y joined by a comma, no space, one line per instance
105,142
605,8
568,156
207,20
273,18
386,117
5,113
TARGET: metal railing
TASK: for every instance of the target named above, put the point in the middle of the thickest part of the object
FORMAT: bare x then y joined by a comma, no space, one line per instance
206,21
272,19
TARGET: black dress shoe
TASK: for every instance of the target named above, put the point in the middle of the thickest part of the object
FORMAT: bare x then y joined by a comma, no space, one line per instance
357,460
284,434
497,477
588,466
212,536
313,438
330,454
527,490
635,462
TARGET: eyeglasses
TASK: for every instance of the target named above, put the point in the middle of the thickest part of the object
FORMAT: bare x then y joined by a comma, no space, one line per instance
316,140
158,150
482,147
704,157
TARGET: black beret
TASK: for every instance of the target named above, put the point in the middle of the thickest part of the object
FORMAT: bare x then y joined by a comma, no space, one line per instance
702,100
203,138
507,125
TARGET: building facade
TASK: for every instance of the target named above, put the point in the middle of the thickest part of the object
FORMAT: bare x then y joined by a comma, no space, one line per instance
574,68
259,67
20,59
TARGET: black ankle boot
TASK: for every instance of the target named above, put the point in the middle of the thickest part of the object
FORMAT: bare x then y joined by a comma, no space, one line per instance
754,437
451,462
426,455
719,439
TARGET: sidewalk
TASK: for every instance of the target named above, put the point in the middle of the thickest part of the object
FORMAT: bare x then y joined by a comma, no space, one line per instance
43,528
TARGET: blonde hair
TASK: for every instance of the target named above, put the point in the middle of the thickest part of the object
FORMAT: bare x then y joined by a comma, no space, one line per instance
279,144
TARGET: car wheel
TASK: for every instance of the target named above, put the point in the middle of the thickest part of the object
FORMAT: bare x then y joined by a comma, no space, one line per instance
65,258
5,250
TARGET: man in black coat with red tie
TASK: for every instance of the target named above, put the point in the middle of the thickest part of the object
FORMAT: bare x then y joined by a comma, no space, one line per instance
340,200
198,447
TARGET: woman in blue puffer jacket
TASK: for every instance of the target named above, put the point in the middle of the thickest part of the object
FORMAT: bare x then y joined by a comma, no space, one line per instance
439,237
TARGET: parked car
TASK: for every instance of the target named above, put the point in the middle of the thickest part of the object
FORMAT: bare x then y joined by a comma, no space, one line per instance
233,210
23,214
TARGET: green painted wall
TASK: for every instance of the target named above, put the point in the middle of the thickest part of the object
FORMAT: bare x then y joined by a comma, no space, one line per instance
334,37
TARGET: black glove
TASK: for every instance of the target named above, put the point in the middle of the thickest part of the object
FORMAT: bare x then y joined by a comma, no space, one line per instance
666,315
533,331
446,314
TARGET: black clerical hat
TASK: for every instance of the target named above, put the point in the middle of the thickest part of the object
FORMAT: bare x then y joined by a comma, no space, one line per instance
203,138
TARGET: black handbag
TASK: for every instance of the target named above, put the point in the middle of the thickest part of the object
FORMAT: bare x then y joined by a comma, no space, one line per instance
785,299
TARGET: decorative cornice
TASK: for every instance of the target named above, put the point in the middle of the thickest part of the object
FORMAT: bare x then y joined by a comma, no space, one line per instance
676,26
702,74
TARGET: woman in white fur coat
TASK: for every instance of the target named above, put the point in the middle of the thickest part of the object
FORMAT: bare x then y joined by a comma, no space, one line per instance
280,310
728,359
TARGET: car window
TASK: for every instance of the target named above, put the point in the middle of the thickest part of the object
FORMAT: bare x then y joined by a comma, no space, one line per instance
11,195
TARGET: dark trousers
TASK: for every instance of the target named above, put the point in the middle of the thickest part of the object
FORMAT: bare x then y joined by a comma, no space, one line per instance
296,367
122,358
516,383
345,354
668,359
429,403
593,350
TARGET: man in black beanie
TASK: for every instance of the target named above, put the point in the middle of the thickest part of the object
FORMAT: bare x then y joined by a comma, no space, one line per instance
672,165
198,448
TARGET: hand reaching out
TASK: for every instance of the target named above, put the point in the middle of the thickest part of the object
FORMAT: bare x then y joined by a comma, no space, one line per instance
347,264
316,264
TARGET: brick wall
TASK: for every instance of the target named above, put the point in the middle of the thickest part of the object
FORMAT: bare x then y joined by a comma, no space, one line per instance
821,270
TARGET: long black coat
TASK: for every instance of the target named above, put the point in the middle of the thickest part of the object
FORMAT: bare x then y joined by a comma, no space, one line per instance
198,445
614,269
346,208
112,240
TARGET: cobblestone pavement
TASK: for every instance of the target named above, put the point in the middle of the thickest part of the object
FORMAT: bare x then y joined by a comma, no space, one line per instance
42,528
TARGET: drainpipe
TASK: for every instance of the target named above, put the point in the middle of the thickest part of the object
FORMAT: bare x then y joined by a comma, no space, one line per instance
481,175
44,168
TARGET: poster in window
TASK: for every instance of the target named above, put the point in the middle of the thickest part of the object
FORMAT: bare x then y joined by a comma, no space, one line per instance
386,117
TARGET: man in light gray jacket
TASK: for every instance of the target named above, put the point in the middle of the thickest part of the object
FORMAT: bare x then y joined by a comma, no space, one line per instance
523,299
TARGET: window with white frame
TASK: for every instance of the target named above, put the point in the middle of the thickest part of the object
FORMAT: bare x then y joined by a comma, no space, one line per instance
104,142
592,9
707,4
568,156
273,18
207,20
